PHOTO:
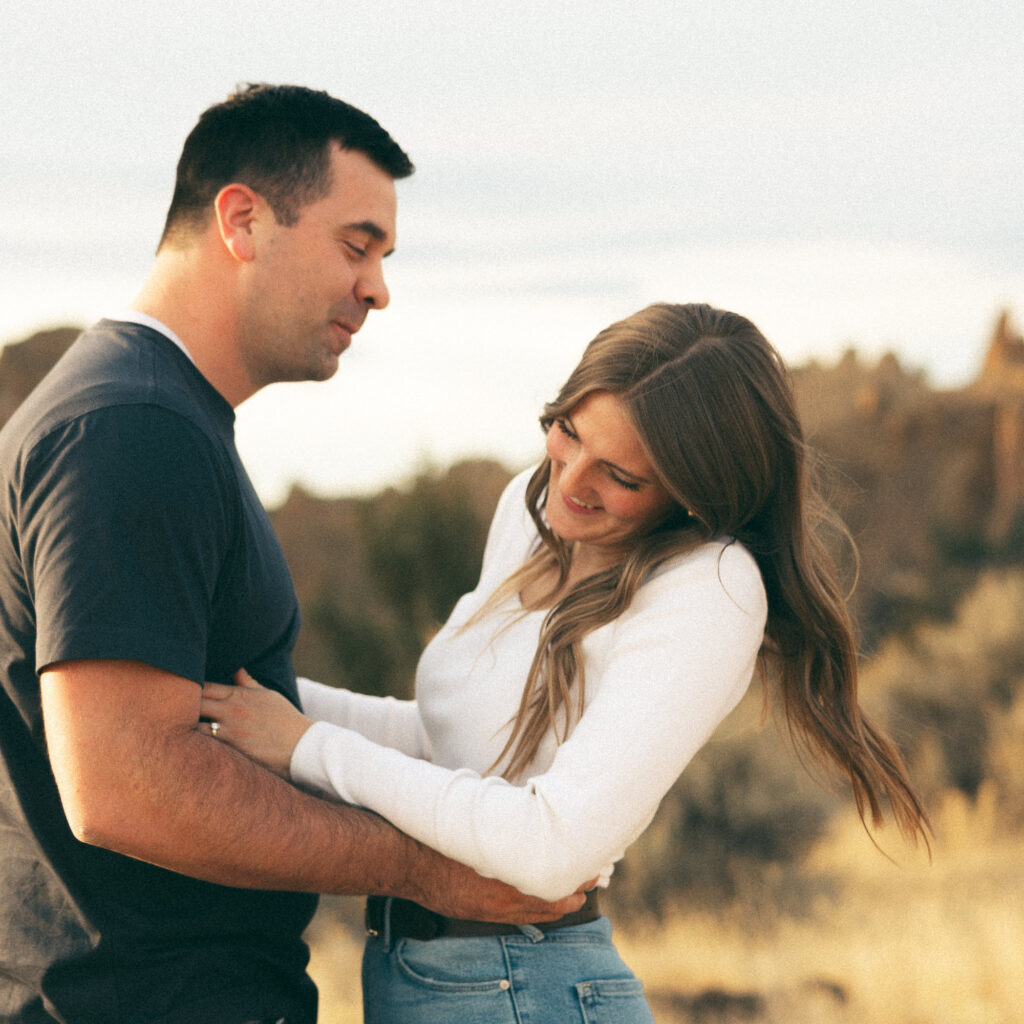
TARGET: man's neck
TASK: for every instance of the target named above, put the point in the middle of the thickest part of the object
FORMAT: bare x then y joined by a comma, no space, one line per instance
189,293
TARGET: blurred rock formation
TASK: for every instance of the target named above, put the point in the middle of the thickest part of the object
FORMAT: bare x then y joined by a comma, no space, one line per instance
930,482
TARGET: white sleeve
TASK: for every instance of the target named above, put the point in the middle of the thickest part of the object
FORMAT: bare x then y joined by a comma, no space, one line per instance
384,720
665,674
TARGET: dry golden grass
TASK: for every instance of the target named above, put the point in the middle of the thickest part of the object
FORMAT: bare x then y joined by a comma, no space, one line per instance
896,943
335,953
906,943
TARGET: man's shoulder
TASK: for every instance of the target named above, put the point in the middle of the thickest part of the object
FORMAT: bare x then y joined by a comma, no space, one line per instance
112,367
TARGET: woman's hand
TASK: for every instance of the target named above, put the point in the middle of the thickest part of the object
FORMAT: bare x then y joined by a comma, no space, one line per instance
261,723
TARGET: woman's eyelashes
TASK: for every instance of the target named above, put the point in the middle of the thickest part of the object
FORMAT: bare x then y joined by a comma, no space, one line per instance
628,484
563,426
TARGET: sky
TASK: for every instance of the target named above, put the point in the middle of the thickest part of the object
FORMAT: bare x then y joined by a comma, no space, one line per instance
845,174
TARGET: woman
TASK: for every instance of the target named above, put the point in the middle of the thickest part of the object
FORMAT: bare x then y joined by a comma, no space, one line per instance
664,551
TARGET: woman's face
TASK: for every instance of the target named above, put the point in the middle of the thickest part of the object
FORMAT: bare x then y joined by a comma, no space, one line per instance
603,491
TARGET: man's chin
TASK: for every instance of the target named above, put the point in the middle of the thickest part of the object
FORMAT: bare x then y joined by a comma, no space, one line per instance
326,370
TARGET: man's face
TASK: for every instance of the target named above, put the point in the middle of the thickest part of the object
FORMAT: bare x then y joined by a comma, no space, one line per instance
312,285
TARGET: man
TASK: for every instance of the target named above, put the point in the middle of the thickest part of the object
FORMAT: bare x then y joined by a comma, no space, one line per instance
148,873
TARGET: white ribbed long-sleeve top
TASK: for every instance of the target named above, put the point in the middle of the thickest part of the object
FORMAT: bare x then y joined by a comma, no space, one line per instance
659,680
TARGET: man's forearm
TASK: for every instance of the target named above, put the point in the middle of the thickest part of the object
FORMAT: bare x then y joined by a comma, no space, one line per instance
136,777
234,823
262,833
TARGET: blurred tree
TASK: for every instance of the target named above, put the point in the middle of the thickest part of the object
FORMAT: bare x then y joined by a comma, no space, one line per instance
424,548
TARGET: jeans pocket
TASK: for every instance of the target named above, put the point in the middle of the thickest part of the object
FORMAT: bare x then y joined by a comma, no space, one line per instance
443,966
613,1001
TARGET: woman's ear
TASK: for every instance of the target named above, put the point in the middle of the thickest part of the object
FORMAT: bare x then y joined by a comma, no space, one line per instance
236,208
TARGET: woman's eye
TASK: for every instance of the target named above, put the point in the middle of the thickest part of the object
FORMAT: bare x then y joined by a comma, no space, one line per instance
564,427
628,484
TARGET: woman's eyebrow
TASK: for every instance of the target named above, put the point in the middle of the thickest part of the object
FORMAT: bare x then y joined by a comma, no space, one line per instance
625,472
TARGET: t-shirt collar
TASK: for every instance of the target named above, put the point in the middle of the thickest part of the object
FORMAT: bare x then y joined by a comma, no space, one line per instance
133,316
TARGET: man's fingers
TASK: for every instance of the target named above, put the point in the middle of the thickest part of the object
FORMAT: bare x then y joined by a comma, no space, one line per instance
553,911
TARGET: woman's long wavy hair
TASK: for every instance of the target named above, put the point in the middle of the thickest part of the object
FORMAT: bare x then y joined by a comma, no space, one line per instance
713,405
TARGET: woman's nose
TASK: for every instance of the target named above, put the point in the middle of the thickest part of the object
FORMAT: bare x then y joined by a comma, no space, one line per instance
576,474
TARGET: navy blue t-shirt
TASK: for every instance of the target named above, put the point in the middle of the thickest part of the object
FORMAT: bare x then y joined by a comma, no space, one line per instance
130,530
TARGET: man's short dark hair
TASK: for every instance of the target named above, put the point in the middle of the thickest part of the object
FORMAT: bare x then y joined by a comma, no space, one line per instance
273,138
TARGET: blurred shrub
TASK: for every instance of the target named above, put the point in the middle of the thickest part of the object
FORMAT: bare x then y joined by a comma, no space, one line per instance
1005,757
368,655
947,689
376,577
742,810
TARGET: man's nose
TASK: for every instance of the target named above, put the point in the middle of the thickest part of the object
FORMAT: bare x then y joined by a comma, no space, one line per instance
371,289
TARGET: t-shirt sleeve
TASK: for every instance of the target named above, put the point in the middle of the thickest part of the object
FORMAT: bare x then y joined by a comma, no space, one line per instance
125,522
665,674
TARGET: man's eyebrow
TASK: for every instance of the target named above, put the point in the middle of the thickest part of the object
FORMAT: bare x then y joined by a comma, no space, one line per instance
370,227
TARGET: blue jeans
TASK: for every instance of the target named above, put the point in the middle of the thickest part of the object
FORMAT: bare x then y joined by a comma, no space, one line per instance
568,976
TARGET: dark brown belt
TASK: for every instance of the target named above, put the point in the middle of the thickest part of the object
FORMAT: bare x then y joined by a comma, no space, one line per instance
409,920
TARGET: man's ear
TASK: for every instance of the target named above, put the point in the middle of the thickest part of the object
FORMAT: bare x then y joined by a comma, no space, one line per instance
236,209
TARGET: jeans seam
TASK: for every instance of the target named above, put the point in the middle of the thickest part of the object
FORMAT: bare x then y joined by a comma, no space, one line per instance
511,982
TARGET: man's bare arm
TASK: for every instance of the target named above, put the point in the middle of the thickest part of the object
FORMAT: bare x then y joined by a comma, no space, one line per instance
136,777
